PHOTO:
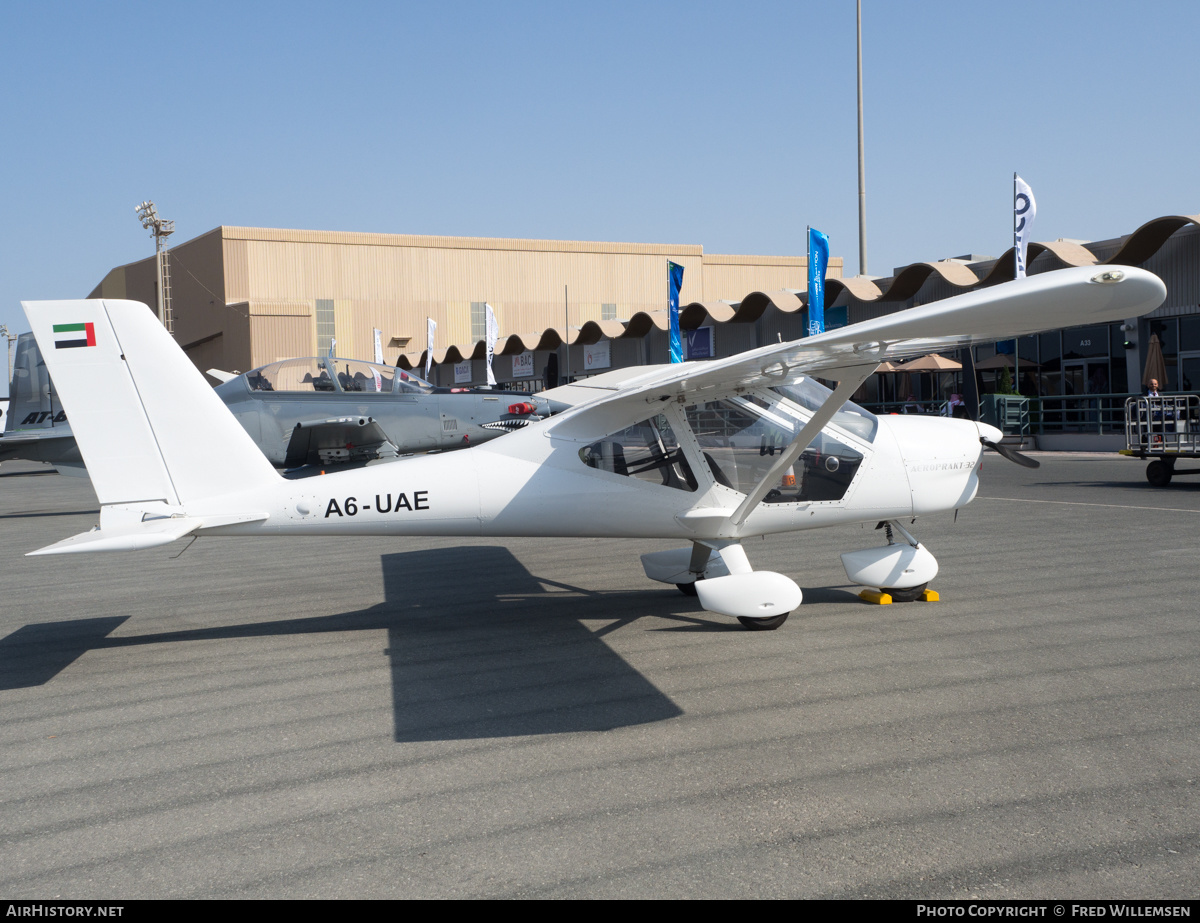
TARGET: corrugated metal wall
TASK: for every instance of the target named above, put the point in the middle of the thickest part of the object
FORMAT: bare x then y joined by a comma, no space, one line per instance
1178,265
279,337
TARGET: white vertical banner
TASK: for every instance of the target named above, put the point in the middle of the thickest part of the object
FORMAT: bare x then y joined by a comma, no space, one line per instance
493,333
430,330
378,357
1024,211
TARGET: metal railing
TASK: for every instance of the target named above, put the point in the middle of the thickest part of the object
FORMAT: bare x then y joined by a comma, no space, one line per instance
1066,413
927,407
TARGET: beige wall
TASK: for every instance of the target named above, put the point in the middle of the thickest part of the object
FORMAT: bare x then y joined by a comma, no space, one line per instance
258,287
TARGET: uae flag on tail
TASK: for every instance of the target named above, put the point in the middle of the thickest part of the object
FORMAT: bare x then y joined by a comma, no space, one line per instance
68,336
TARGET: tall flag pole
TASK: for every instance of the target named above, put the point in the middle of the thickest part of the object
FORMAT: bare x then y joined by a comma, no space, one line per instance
1024,211
493,332
818,261
430,330
862,165
675,271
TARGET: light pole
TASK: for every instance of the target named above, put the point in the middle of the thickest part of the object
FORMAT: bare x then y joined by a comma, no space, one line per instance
160,229
12,338
862,165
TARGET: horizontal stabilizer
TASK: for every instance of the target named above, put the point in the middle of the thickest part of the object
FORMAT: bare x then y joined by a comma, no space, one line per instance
139,535
128,538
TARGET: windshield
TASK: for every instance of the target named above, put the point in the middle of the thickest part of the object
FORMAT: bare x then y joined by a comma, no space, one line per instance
811,395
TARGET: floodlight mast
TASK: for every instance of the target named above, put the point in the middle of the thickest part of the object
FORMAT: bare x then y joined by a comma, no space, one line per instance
12,338
160,229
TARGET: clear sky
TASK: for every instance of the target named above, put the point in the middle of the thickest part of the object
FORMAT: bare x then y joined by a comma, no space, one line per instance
730,125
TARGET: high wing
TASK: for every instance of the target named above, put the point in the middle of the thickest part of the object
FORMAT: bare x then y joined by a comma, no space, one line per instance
1064,298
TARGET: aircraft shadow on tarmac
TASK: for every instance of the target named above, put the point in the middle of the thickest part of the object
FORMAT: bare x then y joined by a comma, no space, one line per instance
479,647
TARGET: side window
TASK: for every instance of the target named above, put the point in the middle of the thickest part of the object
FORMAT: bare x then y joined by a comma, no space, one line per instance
741,438
824,471
647,451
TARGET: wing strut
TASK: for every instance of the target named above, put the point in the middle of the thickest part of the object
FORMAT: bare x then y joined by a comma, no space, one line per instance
852,380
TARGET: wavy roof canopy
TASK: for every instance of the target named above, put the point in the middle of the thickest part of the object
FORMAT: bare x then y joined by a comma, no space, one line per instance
1135,249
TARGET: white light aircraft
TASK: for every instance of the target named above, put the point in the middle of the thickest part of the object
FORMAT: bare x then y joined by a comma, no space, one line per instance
710,453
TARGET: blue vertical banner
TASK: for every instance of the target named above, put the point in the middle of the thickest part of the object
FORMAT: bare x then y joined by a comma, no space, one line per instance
675,271
818,261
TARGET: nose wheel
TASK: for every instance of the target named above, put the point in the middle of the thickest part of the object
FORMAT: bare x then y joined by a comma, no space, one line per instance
767,624
906,595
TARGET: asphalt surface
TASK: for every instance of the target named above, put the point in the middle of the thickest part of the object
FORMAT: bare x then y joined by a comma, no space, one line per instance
527,718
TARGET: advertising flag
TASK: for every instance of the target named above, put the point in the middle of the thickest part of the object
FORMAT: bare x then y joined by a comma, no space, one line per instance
430,330
818,261
493,332
675,271
1024,211
378,357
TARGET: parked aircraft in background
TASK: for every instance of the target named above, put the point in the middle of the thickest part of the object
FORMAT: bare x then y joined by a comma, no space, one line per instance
711,453
35,426
330,411
300,412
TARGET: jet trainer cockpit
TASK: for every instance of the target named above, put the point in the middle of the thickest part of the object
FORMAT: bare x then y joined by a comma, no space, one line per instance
332,375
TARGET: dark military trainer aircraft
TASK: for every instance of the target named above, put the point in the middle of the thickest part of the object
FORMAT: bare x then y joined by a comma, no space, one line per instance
326,411
304,414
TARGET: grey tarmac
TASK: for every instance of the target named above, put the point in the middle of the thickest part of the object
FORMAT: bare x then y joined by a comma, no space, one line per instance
533,718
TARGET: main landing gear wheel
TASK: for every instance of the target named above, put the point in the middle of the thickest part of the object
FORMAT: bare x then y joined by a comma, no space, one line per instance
1158,473
767,624
907,595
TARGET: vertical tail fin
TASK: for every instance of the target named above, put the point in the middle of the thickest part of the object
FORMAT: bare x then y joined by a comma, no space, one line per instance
148,425
32,403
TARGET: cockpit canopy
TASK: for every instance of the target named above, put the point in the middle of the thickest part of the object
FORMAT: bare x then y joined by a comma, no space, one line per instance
323,374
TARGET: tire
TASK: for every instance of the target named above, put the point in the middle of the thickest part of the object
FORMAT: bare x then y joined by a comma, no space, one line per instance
1158,473
687,589
767,624
907,595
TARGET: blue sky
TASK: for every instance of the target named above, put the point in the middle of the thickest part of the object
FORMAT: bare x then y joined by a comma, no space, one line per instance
730,125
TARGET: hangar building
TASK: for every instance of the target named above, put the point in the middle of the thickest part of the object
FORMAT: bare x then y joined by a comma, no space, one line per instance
243,297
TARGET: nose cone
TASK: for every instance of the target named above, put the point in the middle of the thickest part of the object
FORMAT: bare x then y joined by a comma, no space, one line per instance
989,432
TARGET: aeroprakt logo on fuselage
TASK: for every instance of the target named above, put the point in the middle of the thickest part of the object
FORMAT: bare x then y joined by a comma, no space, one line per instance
383,504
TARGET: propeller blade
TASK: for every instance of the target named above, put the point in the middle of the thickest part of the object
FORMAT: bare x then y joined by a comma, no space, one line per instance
1012,454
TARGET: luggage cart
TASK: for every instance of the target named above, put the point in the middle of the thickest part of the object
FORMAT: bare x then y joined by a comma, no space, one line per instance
1164,429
